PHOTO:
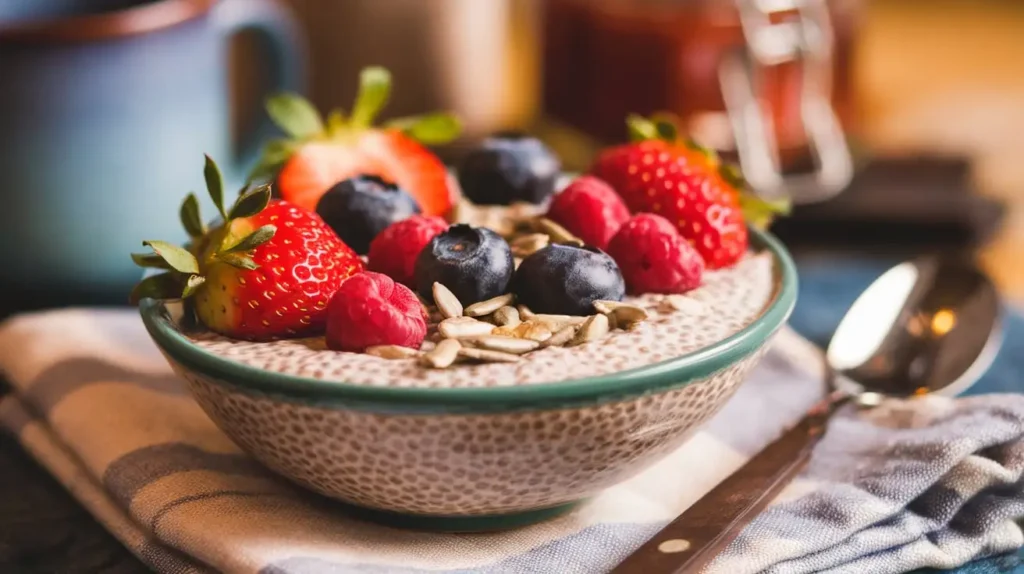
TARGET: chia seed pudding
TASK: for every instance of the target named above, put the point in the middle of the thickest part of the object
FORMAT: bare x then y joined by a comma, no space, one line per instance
727,301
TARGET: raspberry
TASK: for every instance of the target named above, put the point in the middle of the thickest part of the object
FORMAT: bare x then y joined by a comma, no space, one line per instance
590,209
393,252
370,309
654,257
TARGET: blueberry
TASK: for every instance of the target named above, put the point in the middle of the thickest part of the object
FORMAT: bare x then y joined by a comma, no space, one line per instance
509,167
359,208
566,279
473,262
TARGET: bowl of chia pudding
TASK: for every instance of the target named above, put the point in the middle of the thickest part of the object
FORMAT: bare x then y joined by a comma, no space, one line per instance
476,351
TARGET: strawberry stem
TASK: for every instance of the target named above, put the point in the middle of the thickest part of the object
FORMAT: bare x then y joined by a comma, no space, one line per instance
374,91
215,185
759,212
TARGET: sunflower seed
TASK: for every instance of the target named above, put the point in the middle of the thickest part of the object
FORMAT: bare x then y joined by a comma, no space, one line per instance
443,355
488,356
516,261
505,344
504,331
525,312
563,336
533,330
556,322
613,322
529,244
605,306
595,327
506,317
626,315
557,233
391,352
447,303
489,306
682,303
458,327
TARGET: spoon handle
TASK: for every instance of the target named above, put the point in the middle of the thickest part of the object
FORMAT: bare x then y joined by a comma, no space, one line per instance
693,539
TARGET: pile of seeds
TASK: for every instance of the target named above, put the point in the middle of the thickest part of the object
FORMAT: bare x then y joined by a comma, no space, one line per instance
498,331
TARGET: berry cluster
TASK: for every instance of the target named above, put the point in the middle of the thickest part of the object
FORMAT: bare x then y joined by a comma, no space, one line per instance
649,218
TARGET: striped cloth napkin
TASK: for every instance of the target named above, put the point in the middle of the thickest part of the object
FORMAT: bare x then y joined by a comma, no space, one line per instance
932,482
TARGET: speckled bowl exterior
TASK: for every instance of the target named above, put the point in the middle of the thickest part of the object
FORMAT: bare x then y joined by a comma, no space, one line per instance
471,458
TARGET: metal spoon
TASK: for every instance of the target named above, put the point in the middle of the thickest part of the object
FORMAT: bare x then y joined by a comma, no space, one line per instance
928,326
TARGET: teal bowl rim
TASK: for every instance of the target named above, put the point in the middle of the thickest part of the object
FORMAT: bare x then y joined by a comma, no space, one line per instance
671,373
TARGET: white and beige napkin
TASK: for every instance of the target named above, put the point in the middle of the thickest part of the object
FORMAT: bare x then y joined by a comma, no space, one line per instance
931,482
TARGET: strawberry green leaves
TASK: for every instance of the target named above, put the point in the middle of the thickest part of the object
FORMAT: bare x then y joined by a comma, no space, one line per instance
190,217
238,260
184,276
640,128
150,261
177,258
215,185
295,115
166,286
430,129
253,240
374,92
250,202
163,286
760,212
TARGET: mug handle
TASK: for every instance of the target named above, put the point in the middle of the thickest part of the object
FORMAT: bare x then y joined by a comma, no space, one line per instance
287,51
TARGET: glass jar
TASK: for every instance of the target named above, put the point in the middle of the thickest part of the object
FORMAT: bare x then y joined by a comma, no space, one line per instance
604,59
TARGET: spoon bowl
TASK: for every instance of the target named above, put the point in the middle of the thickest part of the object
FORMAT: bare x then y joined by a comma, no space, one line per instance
932,325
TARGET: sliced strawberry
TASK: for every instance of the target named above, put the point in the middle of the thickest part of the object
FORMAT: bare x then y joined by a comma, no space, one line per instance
412,167
320,154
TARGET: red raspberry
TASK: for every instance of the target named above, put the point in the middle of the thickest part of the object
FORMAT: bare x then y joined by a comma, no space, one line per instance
590,209
654,257
393,252
370,309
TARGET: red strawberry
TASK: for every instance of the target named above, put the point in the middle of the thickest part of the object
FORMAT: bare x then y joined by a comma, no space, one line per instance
320,154
267,274
687,185
370,309
654,258
590,209
394,251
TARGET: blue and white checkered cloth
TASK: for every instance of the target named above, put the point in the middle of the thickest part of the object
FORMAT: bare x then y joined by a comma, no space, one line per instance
933,482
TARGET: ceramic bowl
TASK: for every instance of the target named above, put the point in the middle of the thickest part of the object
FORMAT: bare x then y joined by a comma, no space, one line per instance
471,458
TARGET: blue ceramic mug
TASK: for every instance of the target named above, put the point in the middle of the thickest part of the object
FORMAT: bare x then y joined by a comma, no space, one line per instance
106,110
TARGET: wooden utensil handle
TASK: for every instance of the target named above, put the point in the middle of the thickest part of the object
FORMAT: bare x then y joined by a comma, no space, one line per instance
693,539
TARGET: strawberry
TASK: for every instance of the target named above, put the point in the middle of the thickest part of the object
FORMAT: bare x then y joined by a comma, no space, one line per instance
319,154
268,273
688,185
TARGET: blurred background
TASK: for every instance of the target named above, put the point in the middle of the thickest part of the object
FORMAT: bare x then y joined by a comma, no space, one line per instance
898,125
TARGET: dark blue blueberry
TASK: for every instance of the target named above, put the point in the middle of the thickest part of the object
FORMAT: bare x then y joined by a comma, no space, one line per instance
473,262
360,207
566,279
507,168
